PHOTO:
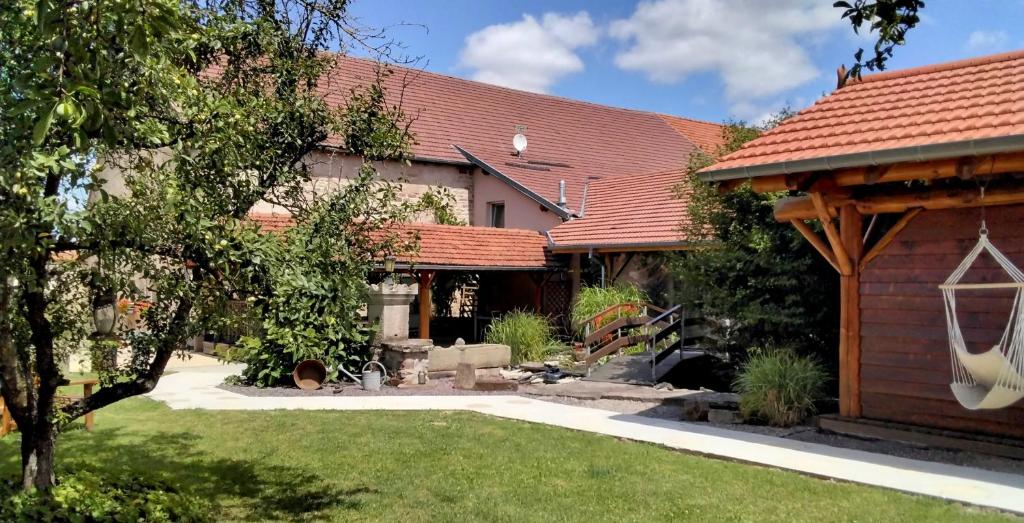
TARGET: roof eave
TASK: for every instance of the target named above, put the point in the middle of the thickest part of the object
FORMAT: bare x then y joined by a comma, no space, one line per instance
675,245
915,153
475,268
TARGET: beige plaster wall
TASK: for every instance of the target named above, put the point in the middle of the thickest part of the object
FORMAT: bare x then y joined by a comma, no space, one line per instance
520,211
332,171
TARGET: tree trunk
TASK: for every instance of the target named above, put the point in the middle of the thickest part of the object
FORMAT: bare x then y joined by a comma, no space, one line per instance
37,455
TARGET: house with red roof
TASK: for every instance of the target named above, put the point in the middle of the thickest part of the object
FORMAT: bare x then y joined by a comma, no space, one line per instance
591,193
911,184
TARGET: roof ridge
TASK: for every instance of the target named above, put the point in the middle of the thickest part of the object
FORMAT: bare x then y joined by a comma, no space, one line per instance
694,120
944,66
519,91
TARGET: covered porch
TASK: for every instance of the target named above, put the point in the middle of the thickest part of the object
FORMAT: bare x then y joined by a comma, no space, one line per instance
467,276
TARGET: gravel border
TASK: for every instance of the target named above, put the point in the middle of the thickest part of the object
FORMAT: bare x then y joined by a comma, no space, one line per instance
436,387
811,434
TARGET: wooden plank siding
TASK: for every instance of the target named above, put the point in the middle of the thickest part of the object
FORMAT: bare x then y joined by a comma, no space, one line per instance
905,362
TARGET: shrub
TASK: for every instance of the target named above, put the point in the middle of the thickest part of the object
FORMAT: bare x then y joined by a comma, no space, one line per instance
779,386
529,335
84,496
592,300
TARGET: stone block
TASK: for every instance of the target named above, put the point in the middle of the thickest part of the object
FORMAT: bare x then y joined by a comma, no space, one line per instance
465,376
724,417
494,385
482,356
406,359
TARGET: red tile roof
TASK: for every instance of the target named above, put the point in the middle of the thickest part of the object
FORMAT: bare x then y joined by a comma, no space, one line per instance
631,211
457,246
478,247
272,222
586,139
706,135
962,101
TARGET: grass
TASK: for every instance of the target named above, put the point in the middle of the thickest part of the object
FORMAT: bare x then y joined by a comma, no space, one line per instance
433,466
592,300
780,386
529,335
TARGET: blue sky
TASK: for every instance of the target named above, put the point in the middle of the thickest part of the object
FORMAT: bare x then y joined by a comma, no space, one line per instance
707,59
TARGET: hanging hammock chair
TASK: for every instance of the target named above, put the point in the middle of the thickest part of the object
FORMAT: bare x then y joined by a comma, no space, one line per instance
993,379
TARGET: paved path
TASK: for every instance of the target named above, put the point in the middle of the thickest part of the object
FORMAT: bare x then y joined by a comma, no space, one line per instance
196,388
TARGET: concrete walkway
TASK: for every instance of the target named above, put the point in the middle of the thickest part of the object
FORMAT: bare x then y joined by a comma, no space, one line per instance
196,388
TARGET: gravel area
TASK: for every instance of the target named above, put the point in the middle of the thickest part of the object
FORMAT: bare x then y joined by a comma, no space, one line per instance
811,434
436,387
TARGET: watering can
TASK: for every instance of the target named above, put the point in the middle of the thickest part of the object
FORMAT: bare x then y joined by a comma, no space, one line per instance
373,379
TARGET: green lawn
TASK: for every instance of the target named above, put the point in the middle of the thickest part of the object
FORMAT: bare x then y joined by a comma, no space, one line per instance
416,466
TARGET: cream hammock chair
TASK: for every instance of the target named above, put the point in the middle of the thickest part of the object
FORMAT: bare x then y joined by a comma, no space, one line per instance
993,379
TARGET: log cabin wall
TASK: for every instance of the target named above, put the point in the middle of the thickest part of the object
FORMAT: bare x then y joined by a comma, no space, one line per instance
905,360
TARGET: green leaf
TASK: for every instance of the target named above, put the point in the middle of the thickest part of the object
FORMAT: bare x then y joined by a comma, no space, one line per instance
43,126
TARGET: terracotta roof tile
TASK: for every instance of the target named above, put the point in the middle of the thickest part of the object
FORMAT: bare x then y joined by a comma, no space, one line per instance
272,222
937,104
483,247
623,211
594,140
458,246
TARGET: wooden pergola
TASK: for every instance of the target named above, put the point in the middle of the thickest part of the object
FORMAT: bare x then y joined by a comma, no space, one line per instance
839,201
895,157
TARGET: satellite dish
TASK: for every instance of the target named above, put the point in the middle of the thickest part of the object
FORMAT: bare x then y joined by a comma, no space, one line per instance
519,142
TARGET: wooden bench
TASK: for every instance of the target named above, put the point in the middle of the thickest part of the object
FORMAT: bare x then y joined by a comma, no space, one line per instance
7,424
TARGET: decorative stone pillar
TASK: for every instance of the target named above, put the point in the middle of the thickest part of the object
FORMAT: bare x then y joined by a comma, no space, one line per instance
388,306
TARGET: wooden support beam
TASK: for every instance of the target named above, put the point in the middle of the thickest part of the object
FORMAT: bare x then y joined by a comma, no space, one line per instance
801,208
851,229
964,167
894,200
951,168
842,258
425,279
942,198
626,258
90,419
889,236
816,241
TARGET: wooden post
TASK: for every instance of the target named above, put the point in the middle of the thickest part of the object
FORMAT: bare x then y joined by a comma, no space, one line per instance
426,277
89,422
575,276
850,231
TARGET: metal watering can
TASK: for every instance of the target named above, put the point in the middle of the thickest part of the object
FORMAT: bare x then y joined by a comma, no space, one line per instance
373,379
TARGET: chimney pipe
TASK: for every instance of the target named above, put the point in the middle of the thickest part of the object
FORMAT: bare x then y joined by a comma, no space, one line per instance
561,194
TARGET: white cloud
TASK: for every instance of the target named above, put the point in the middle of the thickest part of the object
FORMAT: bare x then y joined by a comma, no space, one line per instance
751,44
530,54
987,40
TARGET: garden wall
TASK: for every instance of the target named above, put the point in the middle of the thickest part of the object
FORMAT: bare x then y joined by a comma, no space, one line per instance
905,360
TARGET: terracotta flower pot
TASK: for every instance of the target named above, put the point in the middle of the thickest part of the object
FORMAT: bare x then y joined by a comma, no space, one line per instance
309,374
